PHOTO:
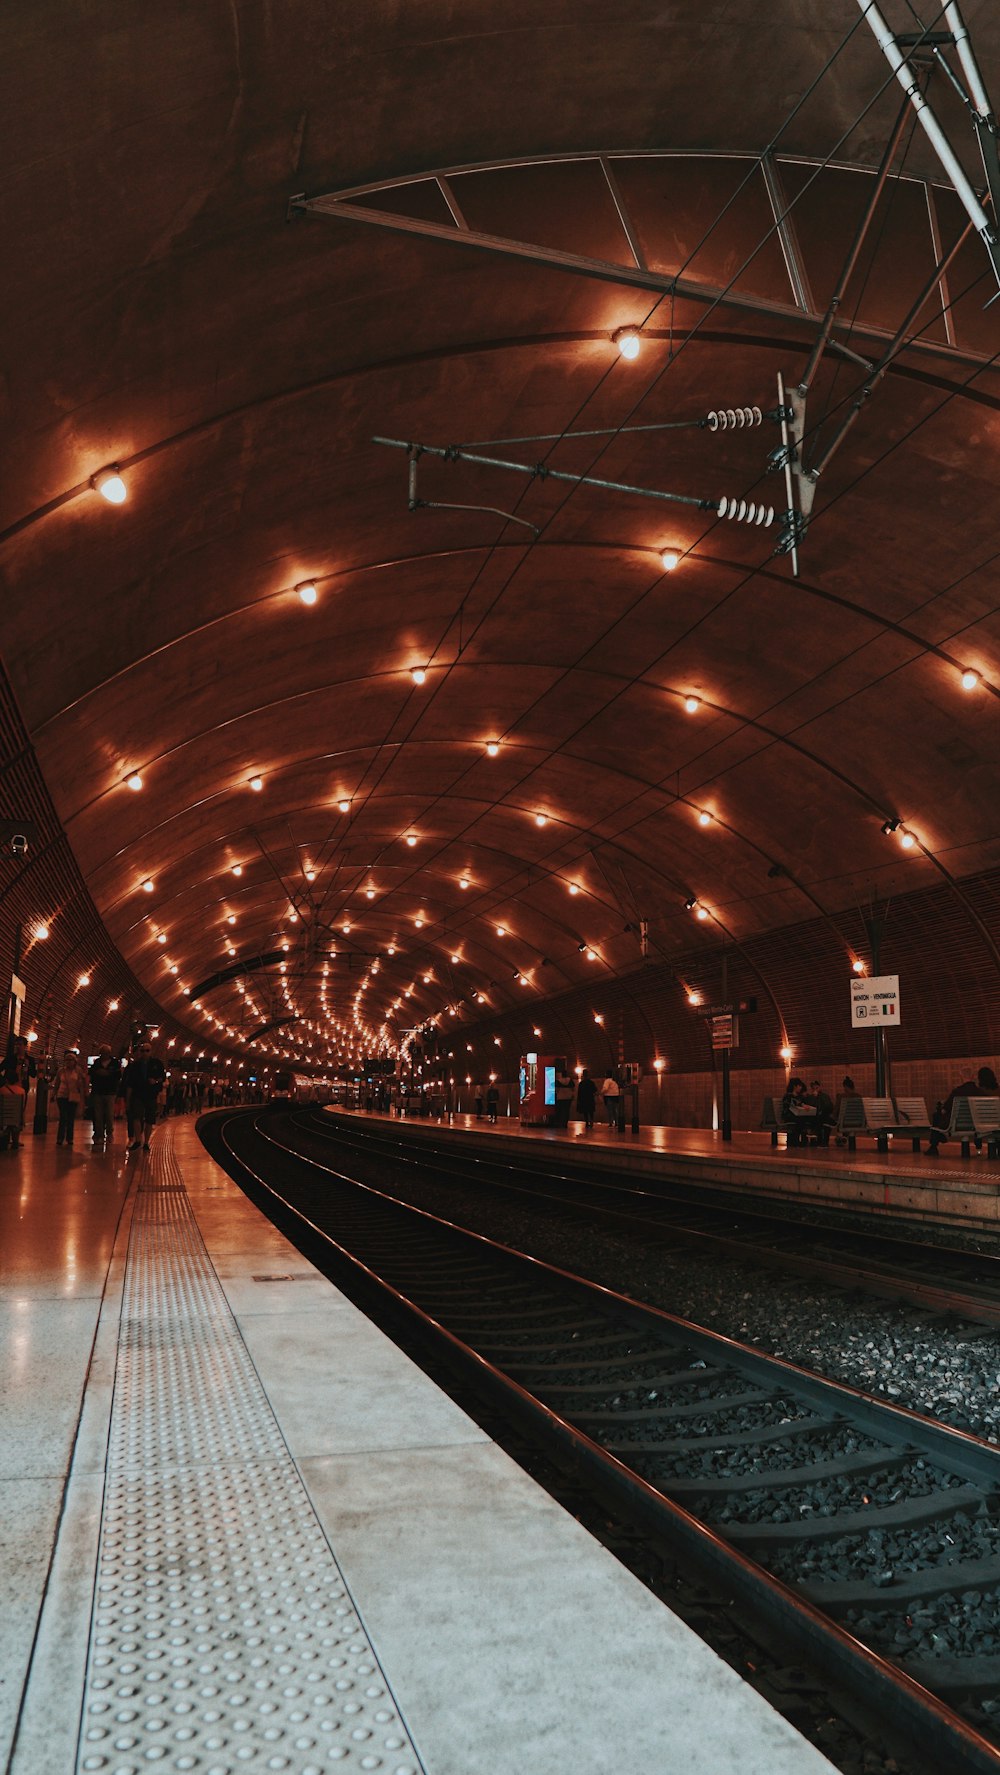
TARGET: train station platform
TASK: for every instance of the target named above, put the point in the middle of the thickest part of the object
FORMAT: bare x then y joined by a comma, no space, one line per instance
946,1189
240,1531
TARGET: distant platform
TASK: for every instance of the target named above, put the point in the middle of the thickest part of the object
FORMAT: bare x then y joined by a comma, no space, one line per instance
241,1531
946,1189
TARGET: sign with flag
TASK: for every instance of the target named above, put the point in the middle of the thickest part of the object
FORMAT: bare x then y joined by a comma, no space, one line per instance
875,1002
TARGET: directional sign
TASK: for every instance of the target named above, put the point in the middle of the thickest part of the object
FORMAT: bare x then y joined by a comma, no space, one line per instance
725,1031
875,1002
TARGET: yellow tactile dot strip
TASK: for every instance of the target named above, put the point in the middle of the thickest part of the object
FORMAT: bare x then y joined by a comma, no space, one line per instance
224,1640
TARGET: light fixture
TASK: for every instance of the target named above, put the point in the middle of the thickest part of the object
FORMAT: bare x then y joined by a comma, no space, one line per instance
704,818
418,674
658,1065
454,961
492,748
344,806
907,840
628,341
345,927
32,1035
598,1017
969,679
84,980
690,903
109,484
41,933
700,912
692,704
591,954
464,882
147,887
310,875
112,1004
231,919
669,559
541,819
307,592
694,998
134,781
391,949
369,893
501,930
418,921
257,783
785,1053
161,937
858,965
411,839
237,868
889,827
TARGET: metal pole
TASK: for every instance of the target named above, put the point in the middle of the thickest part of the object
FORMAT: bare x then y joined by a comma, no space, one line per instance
875,923
727,1125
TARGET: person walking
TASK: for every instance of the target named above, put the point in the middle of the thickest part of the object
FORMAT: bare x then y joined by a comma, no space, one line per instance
105,1075
586,1100
72,1086
15,1076
611,1092
144,1077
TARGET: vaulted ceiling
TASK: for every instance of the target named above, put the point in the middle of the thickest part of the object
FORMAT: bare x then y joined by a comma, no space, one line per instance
243,242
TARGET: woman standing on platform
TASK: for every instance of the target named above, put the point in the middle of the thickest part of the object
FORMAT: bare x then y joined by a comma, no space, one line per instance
72,1087
586,1099
611,1092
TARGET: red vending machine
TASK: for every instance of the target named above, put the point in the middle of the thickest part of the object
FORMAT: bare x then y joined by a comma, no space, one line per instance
538,1088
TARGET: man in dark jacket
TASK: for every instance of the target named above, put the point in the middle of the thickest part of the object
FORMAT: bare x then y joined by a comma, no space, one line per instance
144,1079
105,1077
983,1085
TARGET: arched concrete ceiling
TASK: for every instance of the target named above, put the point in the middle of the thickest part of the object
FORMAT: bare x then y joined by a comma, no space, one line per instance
169,313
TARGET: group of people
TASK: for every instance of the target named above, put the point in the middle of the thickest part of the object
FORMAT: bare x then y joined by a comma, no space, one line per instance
139,1080
809,1114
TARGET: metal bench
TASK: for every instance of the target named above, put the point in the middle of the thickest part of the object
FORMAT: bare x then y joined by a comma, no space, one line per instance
772,1118
912,1119
976,1118
866,1115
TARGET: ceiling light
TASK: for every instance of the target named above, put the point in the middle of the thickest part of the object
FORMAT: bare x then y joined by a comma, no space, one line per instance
391,949
969,679
591,954
541,819
344,806
109,484
84,980
418,674
694,998
162,937
345,927
134,781
700,912
858,965
112,1004
492,748
231,919
307,592
147,887
237,868
786,1053
369,893
704,818
658,1065
628,341
690,903
257,783
464,882
418,921
889,827
669,559
501,930
310,875
573,888
454,960
411,840
907,840
692,704
41,933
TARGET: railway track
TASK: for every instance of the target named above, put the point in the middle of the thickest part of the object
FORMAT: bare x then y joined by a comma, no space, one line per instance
862,1535
943,1278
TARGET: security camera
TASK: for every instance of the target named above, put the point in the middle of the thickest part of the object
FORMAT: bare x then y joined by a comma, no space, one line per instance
18,844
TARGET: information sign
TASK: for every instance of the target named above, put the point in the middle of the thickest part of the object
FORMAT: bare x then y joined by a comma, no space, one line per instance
875,1002
725,1031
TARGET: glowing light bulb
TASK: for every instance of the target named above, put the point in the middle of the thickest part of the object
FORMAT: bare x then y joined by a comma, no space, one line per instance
628,342
310,875
704,818
418,674
411,840
112,1004
41,933
907,840
669,559
463,883
858,965
692,704
109,484
700,912
237,868
369,893
161,937
694,998
969,680
541,819
84,980
501,930
344,806
307,592
134,781
257,783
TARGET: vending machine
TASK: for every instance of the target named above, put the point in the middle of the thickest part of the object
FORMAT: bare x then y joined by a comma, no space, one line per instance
538,1088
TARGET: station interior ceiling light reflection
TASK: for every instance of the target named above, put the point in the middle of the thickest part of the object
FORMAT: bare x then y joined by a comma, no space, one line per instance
339,736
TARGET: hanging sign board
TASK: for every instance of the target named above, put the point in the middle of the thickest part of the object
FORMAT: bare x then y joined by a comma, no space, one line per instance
875,1002
725,1031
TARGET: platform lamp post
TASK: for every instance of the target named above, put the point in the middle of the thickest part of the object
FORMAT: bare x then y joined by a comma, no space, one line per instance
875,919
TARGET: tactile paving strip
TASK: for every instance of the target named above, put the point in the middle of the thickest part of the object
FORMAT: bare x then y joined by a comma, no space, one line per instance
224,1639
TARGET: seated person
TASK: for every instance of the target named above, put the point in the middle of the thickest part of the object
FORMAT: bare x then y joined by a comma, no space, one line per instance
983,1085
799,1118
825,1115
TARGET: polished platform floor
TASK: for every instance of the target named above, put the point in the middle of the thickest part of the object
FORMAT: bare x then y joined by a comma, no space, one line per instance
241,1532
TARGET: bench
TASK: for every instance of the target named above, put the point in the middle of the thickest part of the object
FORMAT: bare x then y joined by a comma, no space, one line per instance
772,1118
912,1119
866,1115
976,1118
